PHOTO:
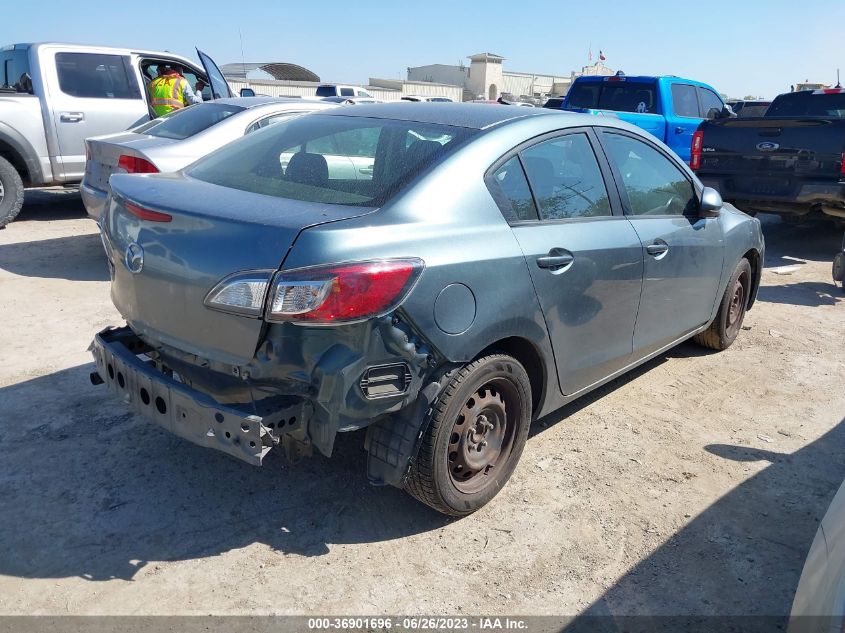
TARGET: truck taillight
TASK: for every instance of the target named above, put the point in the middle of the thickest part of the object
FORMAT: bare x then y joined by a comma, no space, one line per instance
342,293
136,165
695,150
842,168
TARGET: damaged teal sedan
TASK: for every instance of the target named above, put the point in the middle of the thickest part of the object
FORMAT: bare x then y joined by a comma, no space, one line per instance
441,274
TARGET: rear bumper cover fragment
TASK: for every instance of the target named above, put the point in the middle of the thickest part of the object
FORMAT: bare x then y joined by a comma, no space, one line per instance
173,405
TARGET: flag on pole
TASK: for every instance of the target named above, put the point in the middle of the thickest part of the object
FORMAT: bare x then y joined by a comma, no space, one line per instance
601,56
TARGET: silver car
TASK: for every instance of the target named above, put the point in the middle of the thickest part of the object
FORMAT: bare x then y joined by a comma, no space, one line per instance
176,140
819,604
465,271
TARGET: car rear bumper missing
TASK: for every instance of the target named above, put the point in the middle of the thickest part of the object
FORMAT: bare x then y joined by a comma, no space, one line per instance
186,412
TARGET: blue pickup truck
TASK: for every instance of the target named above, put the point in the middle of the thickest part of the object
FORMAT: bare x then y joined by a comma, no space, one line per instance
670,108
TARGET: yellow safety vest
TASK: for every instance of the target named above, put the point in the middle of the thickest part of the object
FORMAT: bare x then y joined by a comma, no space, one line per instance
166,94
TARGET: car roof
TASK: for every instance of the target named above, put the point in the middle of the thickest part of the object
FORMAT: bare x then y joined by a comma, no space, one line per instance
470,115
251,102
108,49
637,78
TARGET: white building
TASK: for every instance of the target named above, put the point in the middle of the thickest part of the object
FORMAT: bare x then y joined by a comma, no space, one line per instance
485,78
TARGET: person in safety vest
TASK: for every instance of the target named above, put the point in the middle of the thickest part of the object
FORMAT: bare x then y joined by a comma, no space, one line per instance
170,91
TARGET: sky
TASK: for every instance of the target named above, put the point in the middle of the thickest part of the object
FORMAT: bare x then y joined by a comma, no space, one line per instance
740,47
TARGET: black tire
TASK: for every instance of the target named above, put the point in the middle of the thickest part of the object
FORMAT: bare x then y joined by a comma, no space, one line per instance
722,332
464,462
11,192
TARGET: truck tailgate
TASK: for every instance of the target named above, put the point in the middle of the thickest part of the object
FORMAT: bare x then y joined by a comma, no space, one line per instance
772,156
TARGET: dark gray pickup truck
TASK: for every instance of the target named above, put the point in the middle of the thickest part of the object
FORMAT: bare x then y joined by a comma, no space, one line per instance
789,161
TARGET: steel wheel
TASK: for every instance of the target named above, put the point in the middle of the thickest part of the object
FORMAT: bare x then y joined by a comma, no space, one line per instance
482,437
474,436
736,311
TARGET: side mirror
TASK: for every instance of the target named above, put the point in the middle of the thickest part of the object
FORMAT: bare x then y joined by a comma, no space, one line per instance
727,112
247,92
710,204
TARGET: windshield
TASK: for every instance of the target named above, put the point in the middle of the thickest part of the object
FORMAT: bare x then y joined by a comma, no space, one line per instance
808,104
182,124
331,159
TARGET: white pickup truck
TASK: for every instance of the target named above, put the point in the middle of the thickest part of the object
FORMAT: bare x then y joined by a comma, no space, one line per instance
54,96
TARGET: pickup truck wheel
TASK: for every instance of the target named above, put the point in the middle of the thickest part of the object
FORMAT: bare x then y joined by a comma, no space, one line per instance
11,192
475,436
722,332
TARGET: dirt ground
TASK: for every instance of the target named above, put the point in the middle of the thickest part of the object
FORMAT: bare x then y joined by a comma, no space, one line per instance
693,485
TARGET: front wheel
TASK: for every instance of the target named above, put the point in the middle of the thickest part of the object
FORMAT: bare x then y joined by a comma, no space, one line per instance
722,332
11,192
475,436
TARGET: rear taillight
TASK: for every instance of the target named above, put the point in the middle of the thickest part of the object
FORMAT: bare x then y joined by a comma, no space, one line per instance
136,165
842,168
695,150
241,293
146,214
343,293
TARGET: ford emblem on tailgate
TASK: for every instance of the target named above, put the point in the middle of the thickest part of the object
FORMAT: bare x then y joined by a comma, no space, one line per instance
767,146
134,258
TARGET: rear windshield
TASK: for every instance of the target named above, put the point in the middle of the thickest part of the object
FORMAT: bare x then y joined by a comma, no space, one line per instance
752,110
193,120
808,104
620,96
331,159
326,91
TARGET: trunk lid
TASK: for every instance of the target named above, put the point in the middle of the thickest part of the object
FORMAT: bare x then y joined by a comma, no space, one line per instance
772,156
214,232
105,152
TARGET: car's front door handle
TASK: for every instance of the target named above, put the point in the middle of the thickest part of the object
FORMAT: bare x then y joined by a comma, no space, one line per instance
72,117
658,248
554,261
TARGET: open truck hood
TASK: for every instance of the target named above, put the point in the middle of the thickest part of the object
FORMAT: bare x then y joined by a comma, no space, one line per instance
214,232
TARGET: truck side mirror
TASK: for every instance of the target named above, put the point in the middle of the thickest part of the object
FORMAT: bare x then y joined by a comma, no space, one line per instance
710,204
247,92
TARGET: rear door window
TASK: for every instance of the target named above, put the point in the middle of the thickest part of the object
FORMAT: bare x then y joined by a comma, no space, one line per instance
655,186
347,92
566,179
96,76
685,101
511,192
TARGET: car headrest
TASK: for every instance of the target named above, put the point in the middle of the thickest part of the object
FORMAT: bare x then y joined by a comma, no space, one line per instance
308,169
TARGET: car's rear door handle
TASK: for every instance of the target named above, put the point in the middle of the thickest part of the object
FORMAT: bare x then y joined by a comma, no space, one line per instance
658,248
555,259
679,130
72,117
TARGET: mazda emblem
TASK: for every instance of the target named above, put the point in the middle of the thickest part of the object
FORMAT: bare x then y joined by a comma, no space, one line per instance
134,258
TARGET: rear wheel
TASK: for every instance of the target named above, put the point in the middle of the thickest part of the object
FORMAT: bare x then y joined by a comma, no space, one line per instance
475,436
11,192
722,332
